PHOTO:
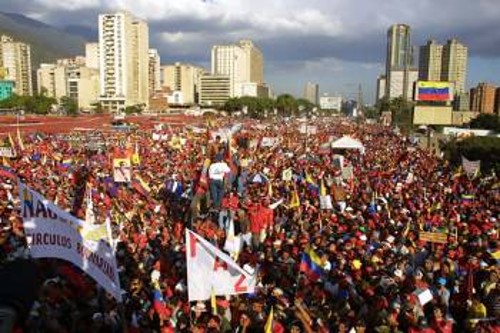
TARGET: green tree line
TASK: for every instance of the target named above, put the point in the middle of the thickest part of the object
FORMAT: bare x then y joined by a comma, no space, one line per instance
286,105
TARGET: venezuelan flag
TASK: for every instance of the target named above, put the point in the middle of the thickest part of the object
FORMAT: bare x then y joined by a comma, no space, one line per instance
310,264
433,91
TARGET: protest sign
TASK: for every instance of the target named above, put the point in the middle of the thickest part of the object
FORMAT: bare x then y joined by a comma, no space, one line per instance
433,237
54,233
211,271
122,170
8,152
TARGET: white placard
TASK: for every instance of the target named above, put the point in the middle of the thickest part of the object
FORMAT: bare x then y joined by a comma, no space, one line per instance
209,270
53,233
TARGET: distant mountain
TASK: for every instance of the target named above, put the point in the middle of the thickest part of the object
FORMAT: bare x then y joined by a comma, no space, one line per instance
47,43
87,33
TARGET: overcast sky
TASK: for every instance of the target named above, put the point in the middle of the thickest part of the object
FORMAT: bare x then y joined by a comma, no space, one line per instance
337,43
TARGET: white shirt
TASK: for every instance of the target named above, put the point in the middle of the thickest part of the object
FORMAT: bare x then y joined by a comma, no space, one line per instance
218,170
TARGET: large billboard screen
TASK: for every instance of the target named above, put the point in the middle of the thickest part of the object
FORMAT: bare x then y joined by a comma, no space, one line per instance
432,115
433,91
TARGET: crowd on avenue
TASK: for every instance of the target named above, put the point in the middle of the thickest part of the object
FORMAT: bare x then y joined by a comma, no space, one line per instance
268,185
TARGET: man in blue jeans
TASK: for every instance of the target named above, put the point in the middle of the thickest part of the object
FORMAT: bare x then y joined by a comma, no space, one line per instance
216,173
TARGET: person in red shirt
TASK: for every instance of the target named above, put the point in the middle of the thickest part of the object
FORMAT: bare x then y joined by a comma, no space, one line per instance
439,323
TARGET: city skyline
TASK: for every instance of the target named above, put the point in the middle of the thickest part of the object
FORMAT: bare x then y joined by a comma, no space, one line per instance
336,44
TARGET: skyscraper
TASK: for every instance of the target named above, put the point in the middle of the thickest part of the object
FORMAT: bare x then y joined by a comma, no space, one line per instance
184,78
123,61
311,92
15,59
243,63
154,71
454,65
483,98
430,59
399,56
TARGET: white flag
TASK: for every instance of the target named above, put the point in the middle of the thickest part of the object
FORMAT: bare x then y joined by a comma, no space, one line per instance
54,233
471,168
211,270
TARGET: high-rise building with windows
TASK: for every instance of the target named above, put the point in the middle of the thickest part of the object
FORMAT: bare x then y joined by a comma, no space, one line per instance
15,61
242,63
430,59
311,92
454,65
154,71
123,61
184,79
482,98
399,58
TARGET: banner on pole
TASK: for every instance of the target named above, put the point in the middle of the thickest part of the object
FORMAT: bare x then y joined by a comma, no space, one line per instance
209,270
54,233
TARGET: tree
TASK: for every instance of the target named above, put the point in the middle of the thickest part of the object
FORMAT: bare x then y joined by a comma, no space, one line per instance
287,105
304,106
131,109
70,105
38,104
486,149
487,122
97,106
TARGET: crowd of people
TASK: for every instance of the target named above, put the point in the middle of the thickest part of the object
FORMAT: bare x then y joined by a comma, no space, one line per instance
376,273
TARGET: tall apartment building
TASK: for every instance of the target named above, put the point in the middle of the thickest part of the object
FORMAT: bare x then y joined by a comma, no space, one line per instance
482,98
454,65
185,79
15,59
69,78
92,55
311,92
123,61
430,59
397,84
154,71
242,63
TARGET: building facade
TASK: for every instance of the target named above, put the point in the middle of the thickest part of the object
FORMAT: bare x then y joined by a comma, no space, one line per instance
154,71
123,61
241,63
454,65
430,59
6,89
69,78
184,78
15,59
381,84
311,92
395,88
482,98
92,55
215,90
399,59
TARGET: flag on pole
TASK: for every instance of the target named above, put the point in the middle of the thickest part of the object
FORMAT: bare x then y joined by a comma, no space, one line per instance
311,264
136,158
213,303
20,139
269,323
212,272
471,168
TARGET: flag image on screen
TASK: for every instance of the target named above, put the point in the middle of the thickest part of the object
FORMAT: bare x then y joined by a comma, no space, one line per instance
433,91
